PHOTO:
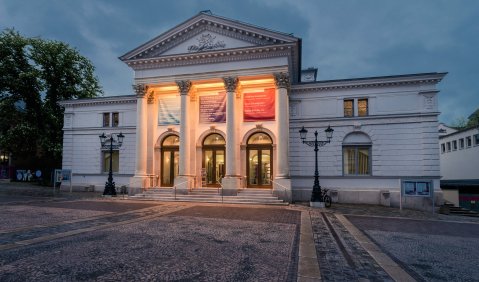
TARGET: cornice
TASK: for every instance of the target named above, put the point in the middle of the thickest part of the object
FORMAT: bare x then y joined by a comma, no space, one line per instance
369,82
130,99
216,56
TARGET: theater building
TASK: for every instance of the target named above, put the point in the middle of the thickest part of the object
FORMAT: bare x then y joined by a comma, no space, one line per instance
219,103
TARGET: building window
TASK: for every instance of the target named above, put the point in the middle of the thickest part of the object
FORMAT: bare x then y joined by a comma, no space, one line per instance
106,119
115,161
114,119
476,139
461,143
417,188
356,160
362,107
348,108
454,145
468,141
111,119
443,148
448,144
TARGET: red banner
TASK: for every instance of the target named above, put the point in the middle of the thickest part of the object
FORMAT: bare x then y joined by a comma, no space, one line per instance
259,106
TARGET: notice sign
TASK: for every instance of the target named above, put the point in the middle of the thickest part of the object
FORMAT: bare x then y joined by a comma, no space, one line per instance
213,108
169,110
259,106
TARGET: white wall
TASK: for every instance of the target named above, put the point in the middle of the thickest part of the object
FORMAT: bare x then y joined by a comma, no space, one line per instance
460,164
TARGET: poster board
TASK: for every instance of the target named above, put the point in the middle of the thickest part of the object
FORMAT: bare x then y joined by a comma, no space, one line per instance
213,108
259,106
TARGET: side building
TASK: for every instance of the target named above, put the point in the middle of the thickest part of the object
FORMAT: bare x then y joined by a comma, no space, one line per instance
221,102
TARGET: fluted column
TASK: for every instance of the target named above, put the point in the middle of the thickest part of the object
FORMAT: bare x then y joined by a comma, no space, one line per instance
182,180
141,130
230,85
231,181
282,85
138,181
282,184
184,88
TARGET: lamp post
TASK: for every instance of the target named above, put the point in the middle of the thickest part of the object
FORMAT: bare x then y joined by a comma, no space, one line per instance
110,185
316,196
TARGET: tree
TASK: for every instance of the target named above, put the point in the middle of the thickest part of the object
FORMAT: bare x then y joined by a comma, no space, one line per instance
34,75
473,119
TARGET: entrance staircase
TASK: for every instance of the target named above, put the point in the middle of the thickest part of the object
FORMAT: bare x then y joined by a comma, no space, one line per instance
212,195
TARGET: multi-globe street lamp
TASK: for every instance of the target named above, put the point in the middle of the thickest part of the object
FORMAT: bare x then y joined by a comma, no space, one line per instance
110,185
316,195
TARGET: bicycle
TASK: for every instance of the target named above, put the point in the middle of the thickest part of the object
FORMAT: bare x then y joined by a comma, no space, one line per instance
326,197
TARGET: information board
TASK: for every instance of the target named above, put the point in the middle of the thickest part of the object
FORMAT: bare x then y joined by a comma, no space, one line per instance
169,110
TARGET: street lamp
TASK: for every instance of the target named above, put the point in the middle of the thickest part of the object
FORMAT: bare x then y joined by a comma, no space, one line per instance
316,196
110,185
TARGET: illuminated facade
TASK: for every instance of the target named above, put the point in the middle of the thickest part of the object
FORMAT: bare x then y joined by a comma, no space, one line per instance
220,102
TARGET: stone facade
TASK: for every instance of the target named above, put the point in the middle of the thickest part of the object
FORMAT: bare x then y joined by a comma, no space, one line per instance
386,125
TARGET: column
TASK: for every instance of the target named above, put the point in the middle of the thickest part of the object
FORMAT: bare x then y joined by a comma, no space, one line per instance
282,184
182,180
138,181
152,121
231,181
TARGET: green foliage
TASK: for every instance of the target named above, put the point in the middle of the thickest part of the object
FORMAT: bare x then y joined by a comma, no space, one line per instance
473,119
34,75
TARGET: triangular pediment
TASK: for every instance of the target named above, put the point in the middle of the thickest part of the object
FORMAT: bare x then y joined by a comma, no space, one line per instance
204,33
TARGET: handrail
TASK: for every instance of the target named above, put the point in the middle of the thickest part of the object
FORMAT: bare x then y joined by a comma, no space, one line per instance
284,187
174,186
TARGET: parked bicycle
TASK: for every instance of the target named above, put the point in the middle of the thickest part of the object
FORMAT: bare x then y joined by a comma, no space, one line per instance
326,197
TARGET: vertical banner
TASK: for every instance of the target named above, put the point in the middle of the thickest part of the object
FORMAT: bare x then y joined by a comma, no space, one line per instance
169,110
213,108
259,106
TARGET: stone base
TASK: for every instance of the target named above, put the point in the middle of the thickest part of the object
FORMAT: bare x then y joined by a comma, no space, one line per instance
282,189
316,204
181,184
231,185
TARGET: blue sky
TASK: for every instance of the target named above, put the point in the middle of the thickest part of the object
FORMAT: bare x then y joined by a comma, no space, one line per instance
343,38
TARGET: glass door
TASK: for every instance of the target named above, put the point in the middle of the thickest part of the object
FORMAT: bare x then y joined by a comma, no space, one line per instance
259,165
214,165
170,167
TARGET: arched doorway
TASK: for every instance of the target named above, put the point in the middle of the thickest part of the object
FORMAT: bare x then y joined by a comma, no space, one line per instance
259,164
213,168
170,156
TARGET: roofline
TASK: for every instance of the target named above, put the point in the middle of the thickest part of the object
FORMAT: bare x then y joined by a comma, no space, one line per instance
459,131
95,100
374,81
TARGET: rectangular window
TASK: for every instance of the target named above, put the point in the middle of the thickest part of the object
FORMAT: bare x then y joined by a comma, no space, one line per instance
356,160
454,145
468,141
348,108
362,107
461,143
417,188
106,119
476,139
443,148
114,161
448,144
115,120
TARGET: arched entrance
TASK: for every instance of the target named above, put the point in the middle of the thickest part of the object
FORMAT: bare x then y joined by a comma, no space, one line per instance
213,168
170,156
259,164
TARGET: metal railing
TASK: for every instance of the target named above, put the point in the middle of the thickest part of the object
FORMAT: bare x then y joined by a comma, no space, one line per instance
175,186
282,186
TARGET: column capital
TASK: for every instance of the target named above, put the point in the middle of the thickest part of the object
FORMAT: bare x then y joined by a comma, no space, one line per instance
184,86
140,90
231,83
151,97
281,79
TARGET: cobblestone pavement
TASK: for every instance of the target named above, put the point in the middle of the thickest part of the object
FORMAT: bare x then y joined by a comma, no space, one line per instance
430,250
163,242
340,256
